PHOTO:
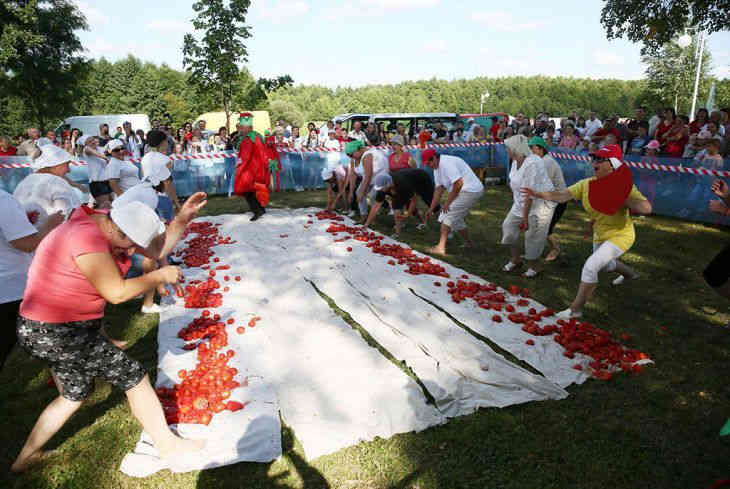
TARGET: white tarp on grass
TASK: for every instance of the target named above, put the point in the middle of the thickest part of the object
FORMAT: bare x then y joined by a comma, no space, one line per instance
329,385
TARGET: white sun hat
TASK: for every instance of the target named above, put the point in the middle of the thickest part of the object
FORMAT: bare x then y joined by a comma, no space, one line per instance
154,167
138,222
50,156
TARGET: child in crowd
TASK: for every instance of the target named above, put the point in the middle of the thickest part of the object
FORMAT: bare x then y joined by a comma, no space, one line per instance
691,148
712,160
641,140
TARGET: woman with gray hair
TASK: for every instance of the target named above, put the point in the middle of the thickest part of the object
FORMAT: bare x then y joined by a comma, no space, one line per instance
529,215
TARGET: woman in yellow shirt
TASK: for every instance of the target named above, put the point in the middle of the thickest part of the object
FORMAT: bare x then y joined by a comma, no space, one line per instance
613,234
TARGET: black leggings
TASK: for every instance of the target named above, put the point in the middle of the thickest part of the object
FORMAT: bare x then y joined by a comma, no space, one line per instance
556,216
9,317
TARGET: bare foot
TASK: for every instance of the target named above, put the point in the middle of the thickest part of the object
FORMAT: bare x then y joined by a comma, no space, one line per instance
437,251
21,465
553,255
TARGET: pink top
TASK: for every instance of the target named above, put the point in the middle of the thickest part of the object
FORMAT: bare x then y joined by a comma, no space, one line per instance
569,142
57,291
401,164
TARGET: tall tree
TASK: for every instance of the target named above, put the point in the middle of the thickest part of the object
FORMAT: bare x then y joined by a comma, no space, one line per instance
213,61
656,22
40,56
273,84
671,76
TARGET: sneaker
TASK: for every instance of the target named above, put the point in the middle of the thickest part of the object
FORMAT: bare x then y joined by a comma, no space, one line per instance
256,216
569,314
351,214
153,309
511,266
621,279
530,273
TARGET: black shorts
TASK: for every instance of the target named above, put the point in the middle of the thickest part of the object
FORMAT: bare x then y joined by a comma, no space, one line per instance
717,271
78,353
98,189
559,210
9,318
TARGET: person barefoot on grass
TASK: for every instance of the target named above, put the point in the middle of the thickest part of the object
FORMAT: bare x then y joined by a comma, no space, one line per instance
76,270
608,197
452,174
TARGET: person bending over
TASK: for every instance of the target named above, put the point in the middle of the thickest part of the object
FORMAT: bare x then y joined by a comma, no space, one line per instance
453,175
402,187
77,269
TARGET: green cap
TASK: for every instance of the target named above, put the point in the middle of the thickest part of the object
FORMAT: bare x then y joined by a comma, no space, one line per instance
353,146
538,141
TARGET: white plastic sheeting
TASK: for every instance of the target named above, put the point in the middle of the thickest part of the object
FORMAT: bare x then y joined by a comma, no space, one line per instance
306,362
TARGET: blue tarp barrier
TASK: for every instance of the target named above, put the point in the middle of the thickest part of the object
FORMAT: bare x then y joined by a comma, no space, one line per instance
672,194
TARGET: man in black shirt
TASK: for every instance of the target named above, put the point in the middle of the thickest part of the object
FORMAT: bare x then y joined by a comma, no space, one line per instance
402,187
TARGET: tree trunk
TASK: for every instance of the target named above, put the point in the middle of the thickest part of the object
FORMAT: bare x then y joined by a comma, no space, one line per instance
227,109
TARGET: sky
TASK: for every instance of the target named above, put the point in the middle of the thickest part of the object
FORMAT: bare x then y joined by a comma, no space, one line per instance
360,42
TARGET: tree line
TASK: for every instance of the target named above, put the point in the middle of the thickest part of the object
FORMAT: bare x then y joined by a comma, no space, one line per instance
132,86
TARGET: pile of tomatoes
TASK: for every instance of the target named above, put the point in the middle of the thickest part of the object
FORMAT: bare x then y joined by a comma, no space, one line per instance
205,390
327,215
202,294
198,251
607,353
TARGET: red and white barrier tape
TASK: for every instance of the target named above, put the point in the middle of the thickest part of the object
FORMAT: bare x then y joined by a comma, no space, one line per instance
287,149
650,166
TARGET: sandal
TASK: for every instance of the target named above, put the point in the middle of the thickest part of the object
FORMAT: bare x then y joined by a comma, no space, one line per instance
511,266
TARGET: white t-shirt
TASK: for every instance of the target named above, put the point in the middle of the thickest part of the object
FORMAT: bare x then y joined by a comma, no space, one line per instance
331,144
46,194
14,264
592,126
96,167
555,173
531,174
453,168
340,172
125,171
359,135
142,192
380,163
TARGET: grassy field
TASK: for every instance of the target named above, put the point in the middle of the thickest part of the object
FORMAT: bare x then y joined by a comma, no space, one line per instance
658,429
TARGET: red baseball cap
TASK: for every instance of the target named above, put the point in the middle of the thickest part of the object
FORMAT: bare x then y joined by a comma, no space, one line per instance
612,153
427,155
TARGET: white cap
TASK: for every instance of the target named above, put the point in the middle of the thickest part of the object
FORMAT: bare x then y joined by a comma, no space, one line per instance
154,167
382,180
397,139
82,140
327,173
43,142
113,144
142,192
51,156
138,222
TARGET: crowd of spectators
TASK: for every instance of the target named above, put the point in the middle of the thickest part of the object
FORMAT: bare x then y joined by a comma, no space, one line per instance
702,142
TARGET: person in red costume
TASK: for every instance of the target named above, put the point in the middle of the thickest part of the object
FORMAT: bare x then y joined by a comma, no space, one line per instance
274,162
252,171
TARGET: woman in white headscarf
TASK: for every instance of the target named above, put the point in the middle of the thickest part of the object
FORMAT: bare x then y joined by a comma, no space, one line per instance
46,191
529,215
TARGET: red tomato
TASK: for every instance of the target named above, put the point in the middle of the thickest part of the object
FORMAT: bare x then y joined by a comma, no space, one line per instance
238,278
349,248
230,321
529,342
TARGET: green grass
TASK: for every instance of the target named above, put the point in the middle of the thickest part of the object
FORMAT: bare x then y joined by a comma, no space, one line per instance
657,429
